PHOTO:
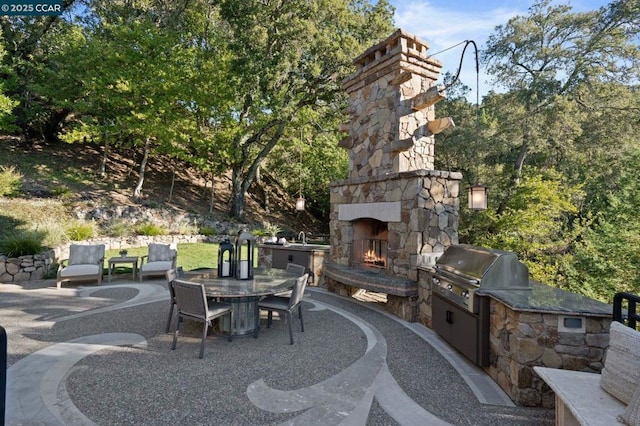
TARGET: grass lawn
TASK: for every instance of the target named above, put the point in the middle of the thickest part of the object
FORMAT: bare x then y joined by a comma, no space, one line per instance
190,256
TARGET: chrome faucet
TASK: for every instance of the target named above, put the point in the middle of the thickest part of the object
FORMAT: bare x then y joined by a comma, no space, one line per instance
304,238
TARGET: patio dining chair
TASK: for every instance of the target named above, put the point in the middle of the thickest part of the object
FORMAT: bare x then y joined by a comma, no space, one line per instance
286,305
172,275
292,268
192,304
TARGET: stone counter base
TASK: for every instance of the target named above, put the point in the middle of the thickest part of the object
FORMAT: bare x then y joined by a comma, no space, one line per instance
521,340
402,307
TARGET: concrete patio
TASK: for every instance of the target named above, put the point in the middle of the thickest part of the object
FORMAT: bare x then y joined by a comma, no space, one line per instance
99,355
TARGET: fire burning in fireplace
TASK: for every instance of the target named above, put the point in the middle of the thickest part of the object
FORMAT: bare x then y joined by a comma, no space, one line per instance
370,244
374,256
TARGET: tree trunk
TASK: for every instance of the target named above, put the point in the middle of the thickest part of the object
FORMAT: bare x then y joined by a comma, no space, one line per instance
105,155
173,181
212,196
137,193
240,182
237,195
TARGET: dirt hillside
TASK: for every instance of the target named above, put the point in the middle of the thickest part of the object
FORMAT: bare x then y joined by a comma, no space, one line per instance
73,172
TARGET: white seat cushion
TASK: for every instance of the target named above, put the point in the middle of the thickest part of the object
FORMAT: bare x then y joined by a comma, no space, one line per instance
79,270
621,372
159,266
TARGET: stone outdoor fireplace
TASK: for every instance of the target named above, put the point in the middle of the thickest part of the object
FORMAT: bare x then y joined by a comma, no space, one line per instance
394,211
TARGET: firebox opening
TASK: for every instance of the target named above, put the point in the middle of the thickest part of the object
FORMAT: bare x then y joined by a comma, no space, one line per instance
370,239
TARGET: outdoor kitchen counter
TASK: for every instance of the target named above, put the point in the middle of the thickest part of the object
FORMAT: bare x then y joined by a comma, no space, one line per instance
311,256
542,298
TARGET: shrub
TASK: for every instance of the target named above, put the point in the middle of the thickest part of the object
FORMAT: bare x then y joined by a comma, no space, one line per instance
117,228
80,231
10,181
207,231
61,191
261,233
150,229
186,229
54,231
21,243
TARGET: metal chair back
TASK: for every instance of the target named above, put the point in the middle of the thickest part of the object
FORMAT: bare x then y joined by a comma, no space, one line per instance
295,269
191,299
298,291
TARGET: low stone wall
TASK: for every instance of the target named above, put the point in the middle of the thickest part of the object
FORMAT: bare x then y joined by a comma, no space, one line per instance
24,268
34,267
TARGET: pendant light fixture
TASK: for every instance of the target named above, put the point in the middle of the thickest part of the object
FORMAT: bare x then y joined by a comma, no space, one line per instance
477,193
300,202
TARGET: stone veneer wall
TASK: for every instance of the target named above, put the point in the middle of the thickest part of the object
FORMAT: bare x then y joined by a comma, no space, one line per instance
429,216
386,132
521,340
424,297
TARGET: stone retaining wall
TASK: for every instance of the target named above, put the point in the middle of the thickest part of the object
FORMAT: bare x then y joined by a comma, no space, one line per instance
24,268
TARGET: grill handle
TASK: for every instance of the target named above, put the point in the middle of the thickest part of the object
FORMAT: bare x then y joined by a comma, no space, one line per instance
449,317
456,278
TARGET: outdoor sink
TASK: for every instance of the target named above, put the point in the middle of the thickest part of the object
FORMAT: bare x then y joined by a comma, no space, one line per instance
303,247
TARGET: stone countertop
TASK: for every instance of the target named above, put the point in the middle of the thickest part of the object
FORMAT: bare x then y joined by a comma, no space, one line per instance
371,280
547,299
296,247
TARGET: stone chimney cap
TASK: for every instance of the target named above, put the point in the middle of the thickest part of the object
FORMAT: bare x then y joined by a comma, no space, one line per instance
390,44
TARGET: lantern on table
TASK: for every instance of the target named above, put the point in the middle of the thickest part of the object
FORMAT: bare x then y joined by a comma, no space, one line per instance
245,242
225,259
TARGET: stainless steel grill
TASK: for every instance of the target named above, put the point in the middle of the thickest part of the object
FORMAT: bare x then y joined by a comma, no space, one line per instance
464,269
459,314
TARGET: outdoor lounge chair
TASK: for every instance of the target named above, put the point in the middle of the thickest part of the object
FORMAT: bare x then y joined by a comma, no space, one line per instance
192,304
160,259
85,263
286,305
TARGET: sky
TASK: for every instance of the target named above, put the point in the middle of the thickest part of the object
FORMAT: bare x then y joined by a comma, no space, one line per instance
445,23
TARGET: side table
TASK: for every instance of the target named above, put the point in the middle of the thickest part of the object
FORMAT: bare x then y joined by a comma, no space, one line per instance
133,260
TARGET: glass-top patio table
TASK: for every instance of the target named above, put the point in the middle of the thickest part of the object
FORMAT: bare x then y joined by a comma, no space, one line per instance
243,295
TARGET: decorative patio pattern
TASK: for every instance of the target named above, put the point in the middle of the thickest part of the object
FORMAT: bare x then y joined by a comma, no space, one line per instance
67,381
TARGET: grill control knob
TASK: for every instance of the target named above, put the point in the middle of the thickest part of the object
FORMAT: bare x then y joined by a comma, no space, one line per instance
449,287
465,294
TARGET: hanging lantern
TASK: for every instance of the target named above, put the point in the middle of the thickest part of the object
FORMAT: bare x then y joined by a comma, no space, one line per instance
300,204
244,255
225,259
477,195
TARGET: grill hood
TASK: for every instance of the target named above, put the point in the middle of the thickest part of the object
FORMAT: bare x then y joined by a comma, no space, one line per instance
488,269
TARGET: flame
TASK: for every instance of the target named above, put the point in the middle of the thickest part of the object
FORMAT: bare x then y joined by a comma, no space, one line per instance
371,257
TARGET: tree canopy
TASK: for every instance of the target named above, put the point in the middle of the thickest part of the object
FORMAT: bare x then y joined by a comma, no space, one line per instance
556,146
